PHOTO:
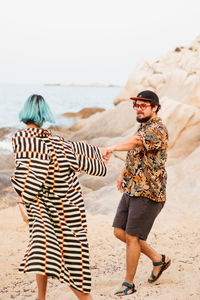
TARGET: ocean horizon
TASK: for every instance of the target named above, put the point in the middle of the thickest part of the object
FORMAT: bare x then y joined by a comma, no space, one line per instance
61,99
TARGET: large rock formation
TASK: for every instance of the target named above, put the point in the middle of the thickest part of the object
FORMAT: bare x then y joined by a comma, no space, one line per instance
84,113
175,77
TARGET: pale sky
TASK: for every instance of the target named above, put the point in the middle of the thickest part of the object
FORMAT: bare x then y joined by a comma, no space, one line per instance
86,41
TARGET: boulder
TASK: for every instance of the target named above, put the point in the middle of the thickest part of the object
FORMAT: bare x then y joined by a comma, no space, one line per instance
182,121
5,131
115,166
175,75
111,123
8,197
83,113
183,124
7,162
103,201
184,183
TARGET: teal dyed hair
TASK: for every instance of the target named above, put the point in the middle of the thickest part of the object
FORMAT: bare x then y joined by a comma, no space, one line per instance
36,111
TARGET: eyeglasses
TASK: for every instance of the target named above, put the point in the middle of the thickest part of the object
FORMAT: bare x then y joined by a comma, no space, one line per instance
142,106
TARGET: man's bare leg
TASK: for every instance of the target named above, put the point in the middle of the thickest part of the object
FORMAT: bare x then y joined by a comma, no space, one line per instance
153,255
42,286
133,251
120,234
132,254
145,249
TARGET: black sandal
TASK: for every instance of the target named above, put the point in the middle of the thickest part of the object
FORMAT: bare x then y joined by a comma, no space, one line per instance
129,287
164,265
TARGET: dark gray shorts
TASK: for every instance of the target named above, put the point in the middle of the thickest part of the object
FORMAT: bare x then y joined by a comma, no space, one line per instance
136,215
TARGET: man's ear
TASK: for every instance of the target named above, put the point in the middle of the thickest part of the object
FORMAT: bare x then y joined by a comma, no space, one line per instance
155,108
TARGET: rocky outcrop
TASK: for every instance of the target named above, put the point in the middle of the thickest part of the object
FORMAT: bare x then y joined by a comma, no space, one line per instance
182,121
111,123
5,131
115,164
7,162
175,75
83,113
184,183
183,124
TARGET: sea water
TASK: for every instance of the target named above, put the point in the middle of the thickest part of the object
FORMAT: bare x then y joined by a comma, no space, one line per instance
61,99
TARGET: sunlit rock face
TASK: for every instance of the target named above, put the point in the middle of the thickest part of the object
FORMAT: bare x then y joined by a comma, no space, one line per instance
175,77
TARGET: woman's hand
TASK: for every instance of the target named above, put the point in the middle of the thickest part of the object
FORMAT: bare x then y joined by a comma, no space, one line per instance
23,211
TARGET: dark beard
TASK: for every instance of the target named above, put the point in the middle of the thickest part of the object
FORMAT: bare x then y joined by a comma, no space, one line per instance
143,120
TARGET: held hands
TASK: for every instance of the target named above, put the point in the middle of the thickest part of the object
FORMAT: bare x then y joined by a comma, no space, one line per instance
106,153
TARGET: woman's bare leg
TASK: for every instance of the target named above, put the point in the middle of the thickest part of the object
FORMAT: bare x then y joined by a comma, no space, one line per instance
82,296
42,286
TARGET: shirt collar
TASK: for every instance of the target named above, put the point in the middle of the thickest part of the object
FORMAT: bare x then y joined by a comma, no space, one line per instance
151,121
39,131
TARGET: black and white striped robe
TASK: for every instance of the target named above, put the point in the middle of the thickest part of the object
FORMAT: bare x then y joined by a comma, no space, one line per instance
45,179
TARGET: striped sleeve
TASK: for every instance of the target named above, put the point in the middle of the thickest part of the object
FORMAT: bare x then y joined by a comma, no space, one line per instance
30,172
89,159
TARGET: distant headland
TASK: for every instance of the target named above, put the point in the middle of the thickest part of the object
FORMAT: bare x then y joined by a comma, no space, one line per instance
73,84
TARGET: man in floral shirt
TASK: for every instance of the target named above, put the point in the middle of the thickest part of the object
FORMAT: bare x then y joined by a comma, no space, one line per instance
143,183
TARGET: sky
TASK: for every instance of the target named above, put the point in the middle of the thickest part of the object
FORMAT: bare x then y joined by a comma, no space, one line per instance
62,41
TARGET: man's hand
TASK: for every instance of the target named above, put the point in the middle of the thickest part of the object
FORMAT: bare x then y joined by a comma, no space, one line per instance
119,182
106,153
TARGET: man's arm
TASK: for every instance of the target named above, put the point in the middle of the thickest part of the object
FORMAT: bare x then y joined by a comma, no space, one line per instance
129,144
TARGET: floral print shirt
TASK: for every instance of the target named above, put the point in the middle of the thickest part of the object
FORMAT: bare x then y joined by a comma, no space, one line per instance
145,173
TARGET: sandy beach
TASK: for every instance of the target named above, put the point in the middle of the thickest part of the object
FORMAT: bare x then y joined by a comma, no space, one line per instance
175,234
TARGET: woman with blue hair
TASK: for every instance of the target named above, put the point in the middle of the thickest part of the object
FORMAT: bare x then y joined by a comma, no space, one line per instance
36,110
51,200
